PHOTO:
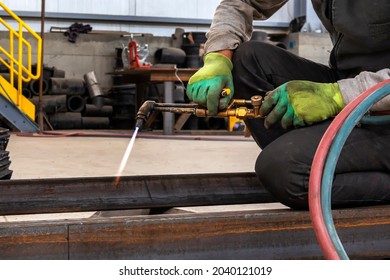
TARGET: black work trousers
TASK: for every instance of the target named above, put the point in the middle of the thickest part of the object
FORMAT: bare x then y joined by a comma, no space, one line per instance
362,175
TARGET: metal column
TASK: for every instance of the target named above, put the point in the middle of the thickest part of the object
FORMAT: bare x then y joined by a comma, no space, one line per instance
169,118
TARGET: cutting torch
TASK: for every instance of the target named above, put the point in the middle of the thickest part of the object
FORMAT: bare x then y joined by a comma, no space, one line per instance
239,108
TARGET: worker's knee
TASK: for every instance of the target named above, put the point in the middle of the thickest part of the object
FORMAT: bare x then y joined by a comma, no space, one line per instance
251,69
250,50
283,173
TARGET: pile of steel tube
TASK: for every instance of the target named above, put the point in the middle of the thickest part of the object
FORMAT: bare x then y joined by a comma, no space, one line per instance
70,103
324,164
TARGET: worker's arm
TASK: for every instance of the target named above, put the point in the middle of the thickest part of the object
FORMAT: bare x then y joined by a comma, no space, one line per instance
232,25
300,103
351,88
233,22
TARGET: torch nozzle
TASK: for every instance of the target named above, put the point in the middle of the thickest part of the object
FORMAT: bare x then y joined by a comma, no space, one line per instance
143,113
139,123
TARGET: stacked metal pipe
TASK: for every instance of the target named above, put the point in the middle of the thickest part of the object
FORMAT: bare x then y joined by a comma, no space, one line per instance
193,46
70,103
5,172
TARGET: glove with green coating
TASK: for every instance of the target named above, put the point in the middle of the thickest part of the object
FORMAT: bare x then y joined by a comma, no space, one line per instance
300,103
206,85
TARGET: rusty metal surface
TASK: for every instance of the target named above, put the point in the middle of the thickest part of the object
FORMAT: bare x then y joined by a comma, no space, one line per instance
270,234
133,192
259,234
25,241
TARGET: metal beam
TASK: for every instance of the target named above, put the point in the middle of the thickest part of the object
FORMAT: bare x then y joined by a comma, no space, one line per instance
270,27
267,234
133,192
127,19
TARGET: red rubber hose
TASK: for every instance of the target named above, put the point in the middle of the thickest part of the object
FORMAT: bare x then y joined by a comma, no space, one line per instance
315,179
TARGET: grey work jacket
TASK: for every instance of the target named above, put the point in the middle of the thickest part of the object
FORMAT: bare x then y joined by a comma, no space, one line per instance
359,29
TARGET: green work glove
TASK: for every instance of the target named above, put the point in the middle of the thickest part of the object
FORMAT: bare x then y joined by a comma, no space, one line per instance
206,85
300,103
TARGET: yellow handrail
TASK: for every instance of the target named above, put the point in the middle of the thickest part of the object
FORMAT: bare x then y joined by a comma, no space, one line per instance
16,65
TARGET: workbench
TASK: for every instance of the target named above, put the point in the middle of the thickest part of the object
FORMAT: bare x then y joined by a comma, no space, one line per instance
168,75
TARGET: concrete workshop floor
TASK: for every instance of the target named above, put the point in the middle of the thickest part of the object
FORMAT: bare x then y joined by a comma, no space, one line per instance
84,156
40,156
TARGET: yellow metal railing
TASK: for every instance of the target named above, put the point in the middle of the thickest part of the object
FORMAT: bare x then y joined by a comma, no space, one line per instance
18,65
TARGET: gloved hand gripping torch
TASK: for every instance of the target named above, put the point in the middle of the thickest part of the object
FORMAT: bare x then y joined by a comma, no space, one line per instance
239,108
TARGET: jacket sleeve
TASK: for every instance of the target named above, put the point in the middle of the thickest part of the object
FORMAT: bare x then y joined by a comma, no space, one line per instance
233,20
351,88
